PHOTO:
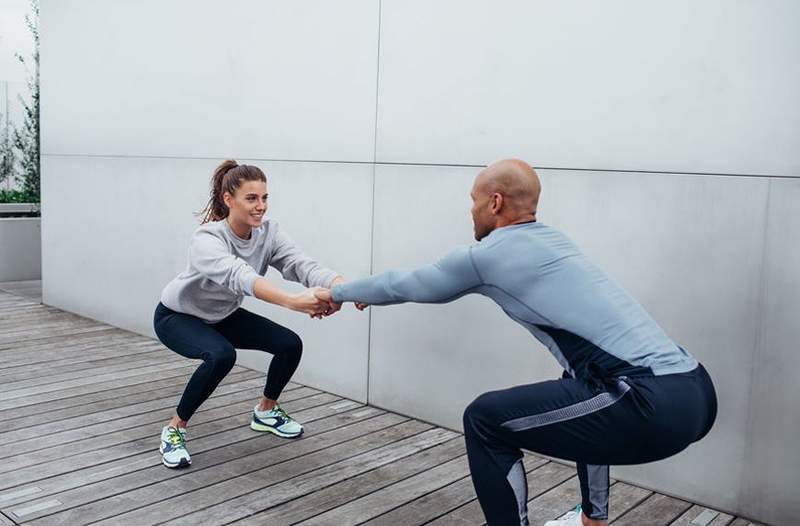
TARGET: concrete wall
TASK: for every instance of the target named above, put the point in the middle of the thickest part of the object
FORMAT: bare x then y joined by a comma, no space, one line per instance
665,134
20,248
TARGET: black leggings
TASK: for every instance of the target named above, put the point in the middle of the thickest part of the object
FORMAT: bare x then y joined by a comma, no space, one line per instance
216,343
623,421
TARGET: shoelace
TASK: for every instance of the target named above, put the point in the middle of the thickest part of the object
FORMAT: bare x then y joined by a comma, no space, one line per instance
278,409
176,438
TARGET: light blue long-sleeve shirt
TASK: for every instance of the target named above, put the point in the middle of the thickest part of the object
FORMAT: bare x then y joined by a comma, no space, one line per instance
542,281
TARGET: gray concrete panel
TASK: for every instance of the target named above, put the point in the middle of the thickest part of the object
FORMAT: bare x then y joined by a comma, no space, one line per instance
115,231
654,86
266,80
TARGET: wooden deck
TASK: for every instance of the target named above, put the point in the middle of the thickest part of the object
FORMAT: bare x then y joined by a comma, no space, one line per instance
82,405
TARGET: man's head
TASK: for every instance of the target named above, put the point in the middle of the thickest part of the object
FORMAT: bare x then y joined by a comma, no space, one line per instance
504,193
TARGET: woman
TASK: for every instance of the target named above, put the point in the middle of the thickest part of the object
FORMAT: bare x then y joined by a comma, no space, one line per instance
199,315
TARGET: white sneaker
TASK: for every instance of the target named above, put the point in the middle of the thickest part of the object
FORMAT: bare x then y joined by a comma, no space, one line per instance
571,518
275,421
173,448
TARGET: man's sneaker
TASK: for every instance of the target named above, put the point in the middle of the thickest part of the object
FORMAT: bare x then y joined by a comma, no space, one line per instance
173,448
275,421
571,518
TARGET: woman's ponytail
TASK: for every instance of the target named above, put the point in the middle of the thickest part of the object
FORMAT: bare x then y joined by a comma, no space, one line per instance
216,209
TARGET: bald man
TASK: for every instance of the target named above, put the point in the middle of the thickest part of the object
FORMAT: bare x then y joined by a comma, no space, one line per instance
629,394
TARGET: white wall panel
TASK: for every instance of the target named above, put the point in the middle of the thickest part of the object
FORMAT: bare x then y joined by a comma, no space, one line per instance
266,80
657,86
772,490
117,230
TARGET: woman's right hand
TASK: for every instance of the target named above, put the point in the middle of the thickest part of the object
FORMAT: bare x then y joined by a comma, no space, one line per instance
309,303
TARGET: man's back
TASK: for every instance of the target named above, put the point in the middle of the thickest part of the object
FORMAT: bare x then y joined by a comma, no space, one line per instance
542,281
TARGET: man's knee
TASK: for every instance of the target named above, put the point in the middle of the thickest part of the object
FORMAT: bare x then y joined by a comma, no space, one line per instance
480,411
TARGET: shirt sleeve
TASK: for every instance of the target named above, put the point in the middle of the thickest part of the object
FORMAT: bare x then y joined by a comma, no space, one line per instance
210,256
294,265
446,280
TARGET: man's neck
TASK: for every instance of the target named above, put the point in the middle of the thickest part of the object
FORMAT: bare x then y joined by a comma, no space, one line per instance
518,220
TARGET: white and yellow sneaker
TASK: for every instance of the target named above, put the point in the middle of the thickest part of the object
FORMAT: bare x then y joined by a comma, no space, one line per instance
173,448
275,421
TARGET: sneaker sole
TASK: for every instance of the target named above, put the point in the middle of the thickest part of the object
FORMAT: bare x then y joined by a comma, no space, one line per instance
268,429
182,464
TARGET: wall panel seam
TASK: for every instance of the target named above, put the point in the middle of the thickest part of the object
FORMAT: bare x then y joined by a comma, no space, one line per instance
429,165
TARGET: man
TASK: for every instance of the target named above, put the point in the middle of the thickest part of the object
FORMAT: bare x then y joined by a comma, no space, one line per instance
629,394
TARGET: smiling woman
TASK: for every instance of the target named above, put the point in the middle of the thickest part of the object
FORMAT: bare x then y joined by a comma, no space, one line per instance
200,317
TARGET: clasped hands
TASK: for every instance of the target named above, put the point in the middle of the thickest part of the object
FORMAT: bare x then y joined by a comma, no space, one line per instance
318,303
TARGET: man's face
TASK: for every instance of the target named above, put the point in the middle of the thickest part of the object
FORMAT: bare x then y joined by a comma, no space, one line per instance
482,217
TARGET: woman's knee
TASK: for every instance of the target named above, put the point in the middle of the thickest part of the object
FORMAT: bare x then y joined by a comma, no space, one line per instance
221,359
291,346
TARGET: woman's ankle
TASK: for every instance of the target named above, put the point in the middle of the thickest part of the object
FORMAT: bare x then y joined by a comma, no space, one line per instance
592,522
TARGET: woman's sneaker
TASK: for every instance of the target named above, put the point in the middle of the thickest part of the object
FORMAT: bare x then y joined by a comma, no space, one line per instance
275,421
173,448
571,518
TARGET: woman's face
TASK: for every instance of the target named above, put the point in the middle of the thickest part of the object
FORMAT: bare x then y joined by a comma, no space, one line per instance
249,203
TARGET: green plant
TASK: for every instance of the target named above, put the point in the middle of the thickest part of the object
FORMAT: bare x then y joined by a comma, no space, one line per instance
17,196
8,156
27,138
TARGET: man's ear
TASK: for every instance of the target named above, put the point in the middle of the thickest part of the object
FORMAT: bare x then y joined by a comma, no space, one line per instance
496,203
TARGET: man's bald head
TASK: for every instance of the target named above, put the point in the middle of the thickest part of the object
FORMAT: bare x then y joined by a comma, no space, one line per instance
504,193
515,180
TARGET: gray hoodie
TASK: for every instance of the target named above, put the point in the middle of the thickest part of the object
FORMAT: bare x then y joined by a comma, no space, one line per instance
223,269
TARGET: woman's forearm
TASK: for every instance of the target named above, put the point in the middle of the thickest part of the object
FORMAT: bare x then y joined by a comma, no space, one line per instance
271,293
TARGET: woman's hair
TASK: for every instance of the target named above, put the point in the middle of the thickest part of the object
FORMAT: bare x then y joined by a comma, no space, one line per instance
228,177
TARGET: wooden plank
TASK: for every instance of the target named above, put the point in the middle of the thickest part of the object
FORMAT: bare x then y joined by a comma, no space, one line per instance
80,504
367,507
434,504
276,494
214,485
61,333
54,336
428,507
623,497
211,443
110,393
48,398
93,411
99,349
31,326
134,362
701,516
250,386
540,481
79,341
322,500
9,396
44,362
5,521
658,510
102,358
56,446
